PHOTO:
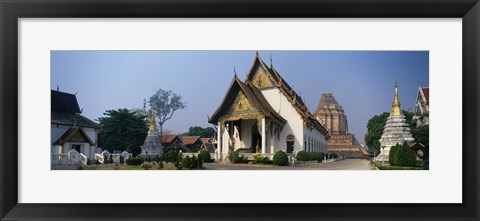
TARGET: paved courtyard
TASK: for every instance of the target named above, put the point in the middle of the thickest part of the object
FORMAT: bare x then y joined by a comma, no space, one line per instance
348,164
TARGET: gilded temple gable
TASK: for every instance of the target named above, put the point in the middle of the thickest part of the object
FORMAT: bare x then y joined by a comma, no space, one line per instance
260,79
243,100
240,104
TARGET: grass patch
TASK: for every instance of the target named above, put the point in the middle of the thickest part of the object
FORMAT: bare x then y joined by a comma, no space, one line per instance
388,167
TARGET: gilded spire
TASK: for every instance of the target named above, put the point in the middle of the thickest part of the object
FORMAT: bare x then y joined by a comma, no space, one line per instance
152,121
396,111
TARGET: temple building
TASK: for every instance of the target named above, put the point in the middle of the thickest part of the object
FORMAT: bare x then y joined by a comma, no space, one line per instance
396,130
74,138
152,145
332,116
263,114
421,110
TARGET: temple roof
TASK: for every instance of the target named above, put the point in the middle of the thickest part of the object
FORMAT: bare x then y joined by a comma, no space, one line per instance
70,133
277,80
64,102
65,111
253,95
426,93
189,139
72,119
168,138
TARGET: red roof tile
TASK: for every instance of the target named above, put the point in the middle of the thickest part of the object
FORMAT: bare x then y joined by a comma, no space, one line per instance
168,138
189,139
426,93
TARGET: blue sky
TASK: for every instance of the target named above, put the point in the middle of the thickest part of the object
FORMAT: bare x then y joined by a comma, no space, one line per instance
361,81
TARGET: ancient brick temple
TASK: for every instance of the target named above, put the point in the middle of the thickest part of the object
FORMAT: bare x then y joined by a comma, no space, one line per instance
332,116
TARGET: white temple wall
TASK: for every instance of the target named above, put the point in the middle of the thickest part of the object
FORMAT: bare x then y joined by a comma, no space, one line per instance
316,141
294,123
91,133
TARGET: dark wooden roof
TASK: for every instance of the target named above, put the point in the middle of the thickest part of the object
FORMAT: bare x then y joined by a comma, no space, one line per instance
72,119
70,133
64,102
253,95
65,111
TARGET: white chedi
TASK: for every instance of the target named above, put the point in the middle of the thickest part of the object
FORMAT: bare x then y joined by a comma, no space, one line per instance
396,130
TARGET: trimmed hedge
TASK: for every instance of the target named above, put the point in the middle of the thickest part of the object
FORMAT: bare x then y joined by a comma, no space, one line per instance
205,156
280,158
134,161
392,153
302,156
405,156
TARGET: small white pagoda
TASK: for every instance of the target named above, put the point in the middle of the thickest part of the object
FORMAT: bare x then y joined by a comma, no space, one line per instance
396,130
152,145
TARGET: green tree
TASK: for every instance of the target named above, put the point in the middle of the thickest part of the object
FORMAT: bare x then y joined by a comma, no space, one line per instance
123,130
165,104
374,132
200,131
421,134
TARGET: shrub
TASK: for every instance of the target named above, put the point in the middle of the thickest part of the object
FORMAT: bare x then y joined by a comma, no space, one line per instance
235,158
147,166
186,162
134,161
391,154
302,156
232,156
405,156
79,167
160,165
200,162
171,156
194,162
315,156
259,158
280,158
205,156
122,160
178,161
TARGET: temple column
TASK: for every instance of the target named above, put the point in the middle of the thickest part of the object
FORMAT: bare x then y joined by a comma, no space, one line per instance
272,151
219,141
263,137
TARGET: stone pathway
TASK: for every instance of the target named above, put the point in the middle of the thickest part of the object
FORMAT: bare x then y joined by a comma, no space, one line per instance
348,164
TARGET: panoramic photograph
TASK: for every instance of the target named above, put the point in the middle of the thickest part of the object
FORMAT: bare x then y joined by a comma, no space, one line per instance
239,110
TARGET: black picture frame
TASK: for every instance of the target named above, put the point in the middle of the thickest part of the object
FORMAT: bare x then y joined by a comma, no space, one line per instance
11,11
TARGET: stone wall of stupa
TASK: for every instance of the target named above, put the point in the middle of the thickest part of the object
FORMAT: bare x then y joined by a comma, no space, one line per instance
332,116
